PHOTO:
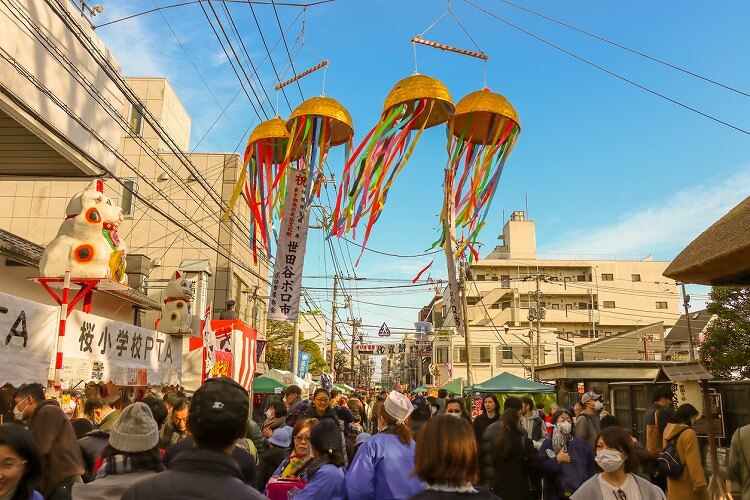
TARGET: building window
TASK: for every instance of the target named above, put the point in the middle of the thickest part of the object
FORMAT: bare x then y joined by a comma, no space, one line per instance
480,277
661,305
583,305
136,119
609,304
581,277
506,304
505,356
127,199
484,354
472,301
566,354
459,355
555,306
505,280
608,277
635,277
441,355
495,306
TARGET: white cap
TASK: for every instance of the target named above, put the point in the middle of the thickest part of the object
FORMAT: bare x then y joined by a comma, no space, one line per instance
398,406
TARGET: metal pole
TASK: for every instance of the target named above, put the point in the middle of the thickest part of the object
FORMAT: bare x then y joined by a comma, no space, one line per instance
538,321
686,304
295,348
61,331
333,326
467,340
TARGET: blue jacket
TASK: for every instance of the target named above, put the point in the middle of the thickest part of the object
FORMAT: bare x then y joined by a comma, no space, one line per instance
575,473
328,482
383,469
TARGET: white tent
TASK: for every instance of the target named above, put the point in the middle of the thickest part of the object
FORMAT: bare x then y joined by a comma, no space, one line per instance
287,378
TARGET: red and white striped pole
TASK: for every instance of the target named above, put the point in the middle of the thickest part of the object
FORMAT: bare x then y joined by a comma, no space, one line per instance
61,331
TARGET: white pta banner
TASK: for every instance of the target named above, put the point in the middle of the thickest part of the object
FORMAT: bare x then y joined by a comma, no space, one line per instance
290,251
101,349
28,331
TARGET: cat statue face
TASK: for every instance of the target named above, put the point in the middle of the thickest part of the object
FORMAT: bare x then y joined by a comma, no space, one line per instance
87,243
176,313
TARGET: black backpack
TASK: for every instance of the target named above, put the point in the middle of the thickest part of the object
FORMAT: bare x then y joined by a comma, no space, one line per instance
669,462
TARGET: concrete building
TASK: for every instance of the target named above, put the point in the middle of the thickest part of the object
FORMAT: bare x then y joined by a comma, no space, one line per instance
677,342
67,114
581,300
642,343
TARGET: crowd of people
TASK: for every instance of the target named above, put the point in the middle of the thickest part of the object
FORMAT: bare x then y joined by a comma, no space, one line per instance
368,446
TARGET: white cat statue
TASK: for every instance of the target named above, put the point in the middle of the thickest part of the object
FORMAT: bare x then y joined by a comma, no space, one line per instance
175,313
87,243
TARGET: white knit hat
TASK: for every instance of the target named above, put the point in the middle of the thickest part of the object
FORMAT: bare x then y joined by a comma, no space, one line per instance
398,406
135,430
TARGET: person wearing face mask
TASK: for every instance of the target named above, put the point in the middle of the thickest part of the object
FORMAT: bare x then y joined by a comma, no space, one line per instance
455,408
567,461
691,485
490,414
275,418
587,425
383,467
61,459
614,455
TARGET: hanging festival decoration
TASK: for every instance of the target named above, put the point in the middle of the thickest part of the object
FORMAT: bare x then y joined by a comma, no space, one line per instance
416,103
481,136
263,179
315,126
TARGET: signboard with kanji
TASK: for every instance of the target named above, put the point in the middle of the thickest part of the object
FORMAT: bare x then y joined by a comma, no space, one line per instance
103,350
290,251
379,349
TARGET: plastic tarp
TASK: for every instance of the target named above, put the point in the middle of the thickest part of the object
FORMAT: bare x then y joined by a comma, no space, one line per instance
423,388
287,378
506,382
267,385
343,387
455,386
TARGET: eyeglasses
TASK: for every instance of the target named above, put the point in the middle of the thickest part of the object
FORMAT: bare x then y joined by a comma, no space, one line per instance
318,400
301,439
620,495
11,464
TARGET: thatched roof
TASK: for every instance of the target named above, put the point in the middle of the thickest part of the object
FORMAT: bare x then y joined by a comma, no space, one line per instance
720,255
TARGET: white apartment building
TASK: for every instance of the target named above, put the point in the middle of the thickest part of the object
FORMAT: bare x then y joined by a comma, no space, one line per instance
581,300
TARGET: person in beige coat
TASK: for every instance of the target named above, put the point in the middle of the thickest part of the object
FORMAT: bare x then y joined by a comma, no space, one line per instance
691,485
132,455
739,462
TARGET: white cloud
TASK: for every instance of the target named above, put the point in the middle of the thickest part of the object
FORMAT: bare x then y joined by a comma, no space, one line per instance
665,227
138,49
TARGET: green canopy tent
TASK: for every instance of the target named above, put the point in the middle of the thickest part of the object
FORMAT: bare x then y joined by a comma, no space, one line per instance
508,383
422,388
267,385
455,386
342,388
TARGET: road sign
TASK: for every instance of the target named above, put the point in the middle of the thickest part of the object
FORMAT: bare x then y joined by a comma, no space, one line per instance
384,331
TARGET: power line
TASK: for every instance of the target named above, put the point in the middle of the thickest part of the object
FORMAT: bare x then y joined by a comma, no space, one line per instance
164,7
629,49
286,46
609,72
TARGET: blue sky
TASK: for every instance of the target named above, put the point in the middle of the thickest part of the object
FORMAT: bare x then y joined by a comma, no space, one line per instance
608,168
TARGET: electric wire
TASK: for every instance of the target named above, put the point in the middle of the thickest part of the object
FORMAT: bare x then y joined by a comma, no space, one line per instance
609,72
629,49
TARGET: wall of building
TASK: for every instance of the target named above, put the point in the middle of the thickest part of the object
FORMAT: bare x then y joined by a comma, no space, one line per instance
18,41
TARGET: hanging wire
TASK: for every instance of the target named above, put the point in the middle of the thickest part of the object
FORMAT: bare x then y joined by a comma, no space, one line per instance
277,103
325,72
416,68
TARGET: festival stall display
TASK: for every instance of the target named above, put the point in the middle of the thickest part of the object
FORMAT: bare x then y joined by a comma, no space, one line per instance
226,348
176,315
87,244
414,104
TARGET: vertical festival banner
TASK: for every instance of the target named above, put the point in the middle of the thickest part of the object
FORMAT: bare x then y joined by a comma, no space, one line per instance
290,251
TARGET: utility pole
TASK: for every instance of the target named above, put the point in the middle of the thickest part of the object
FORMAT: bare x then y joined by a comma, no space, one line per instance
539,314
467,339
295,348
686,304
355,323
333,324
536,315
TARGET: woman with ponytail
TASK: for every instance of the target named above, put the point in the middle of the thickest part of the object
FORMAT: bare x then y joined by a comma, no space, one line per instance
325,476
383,468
